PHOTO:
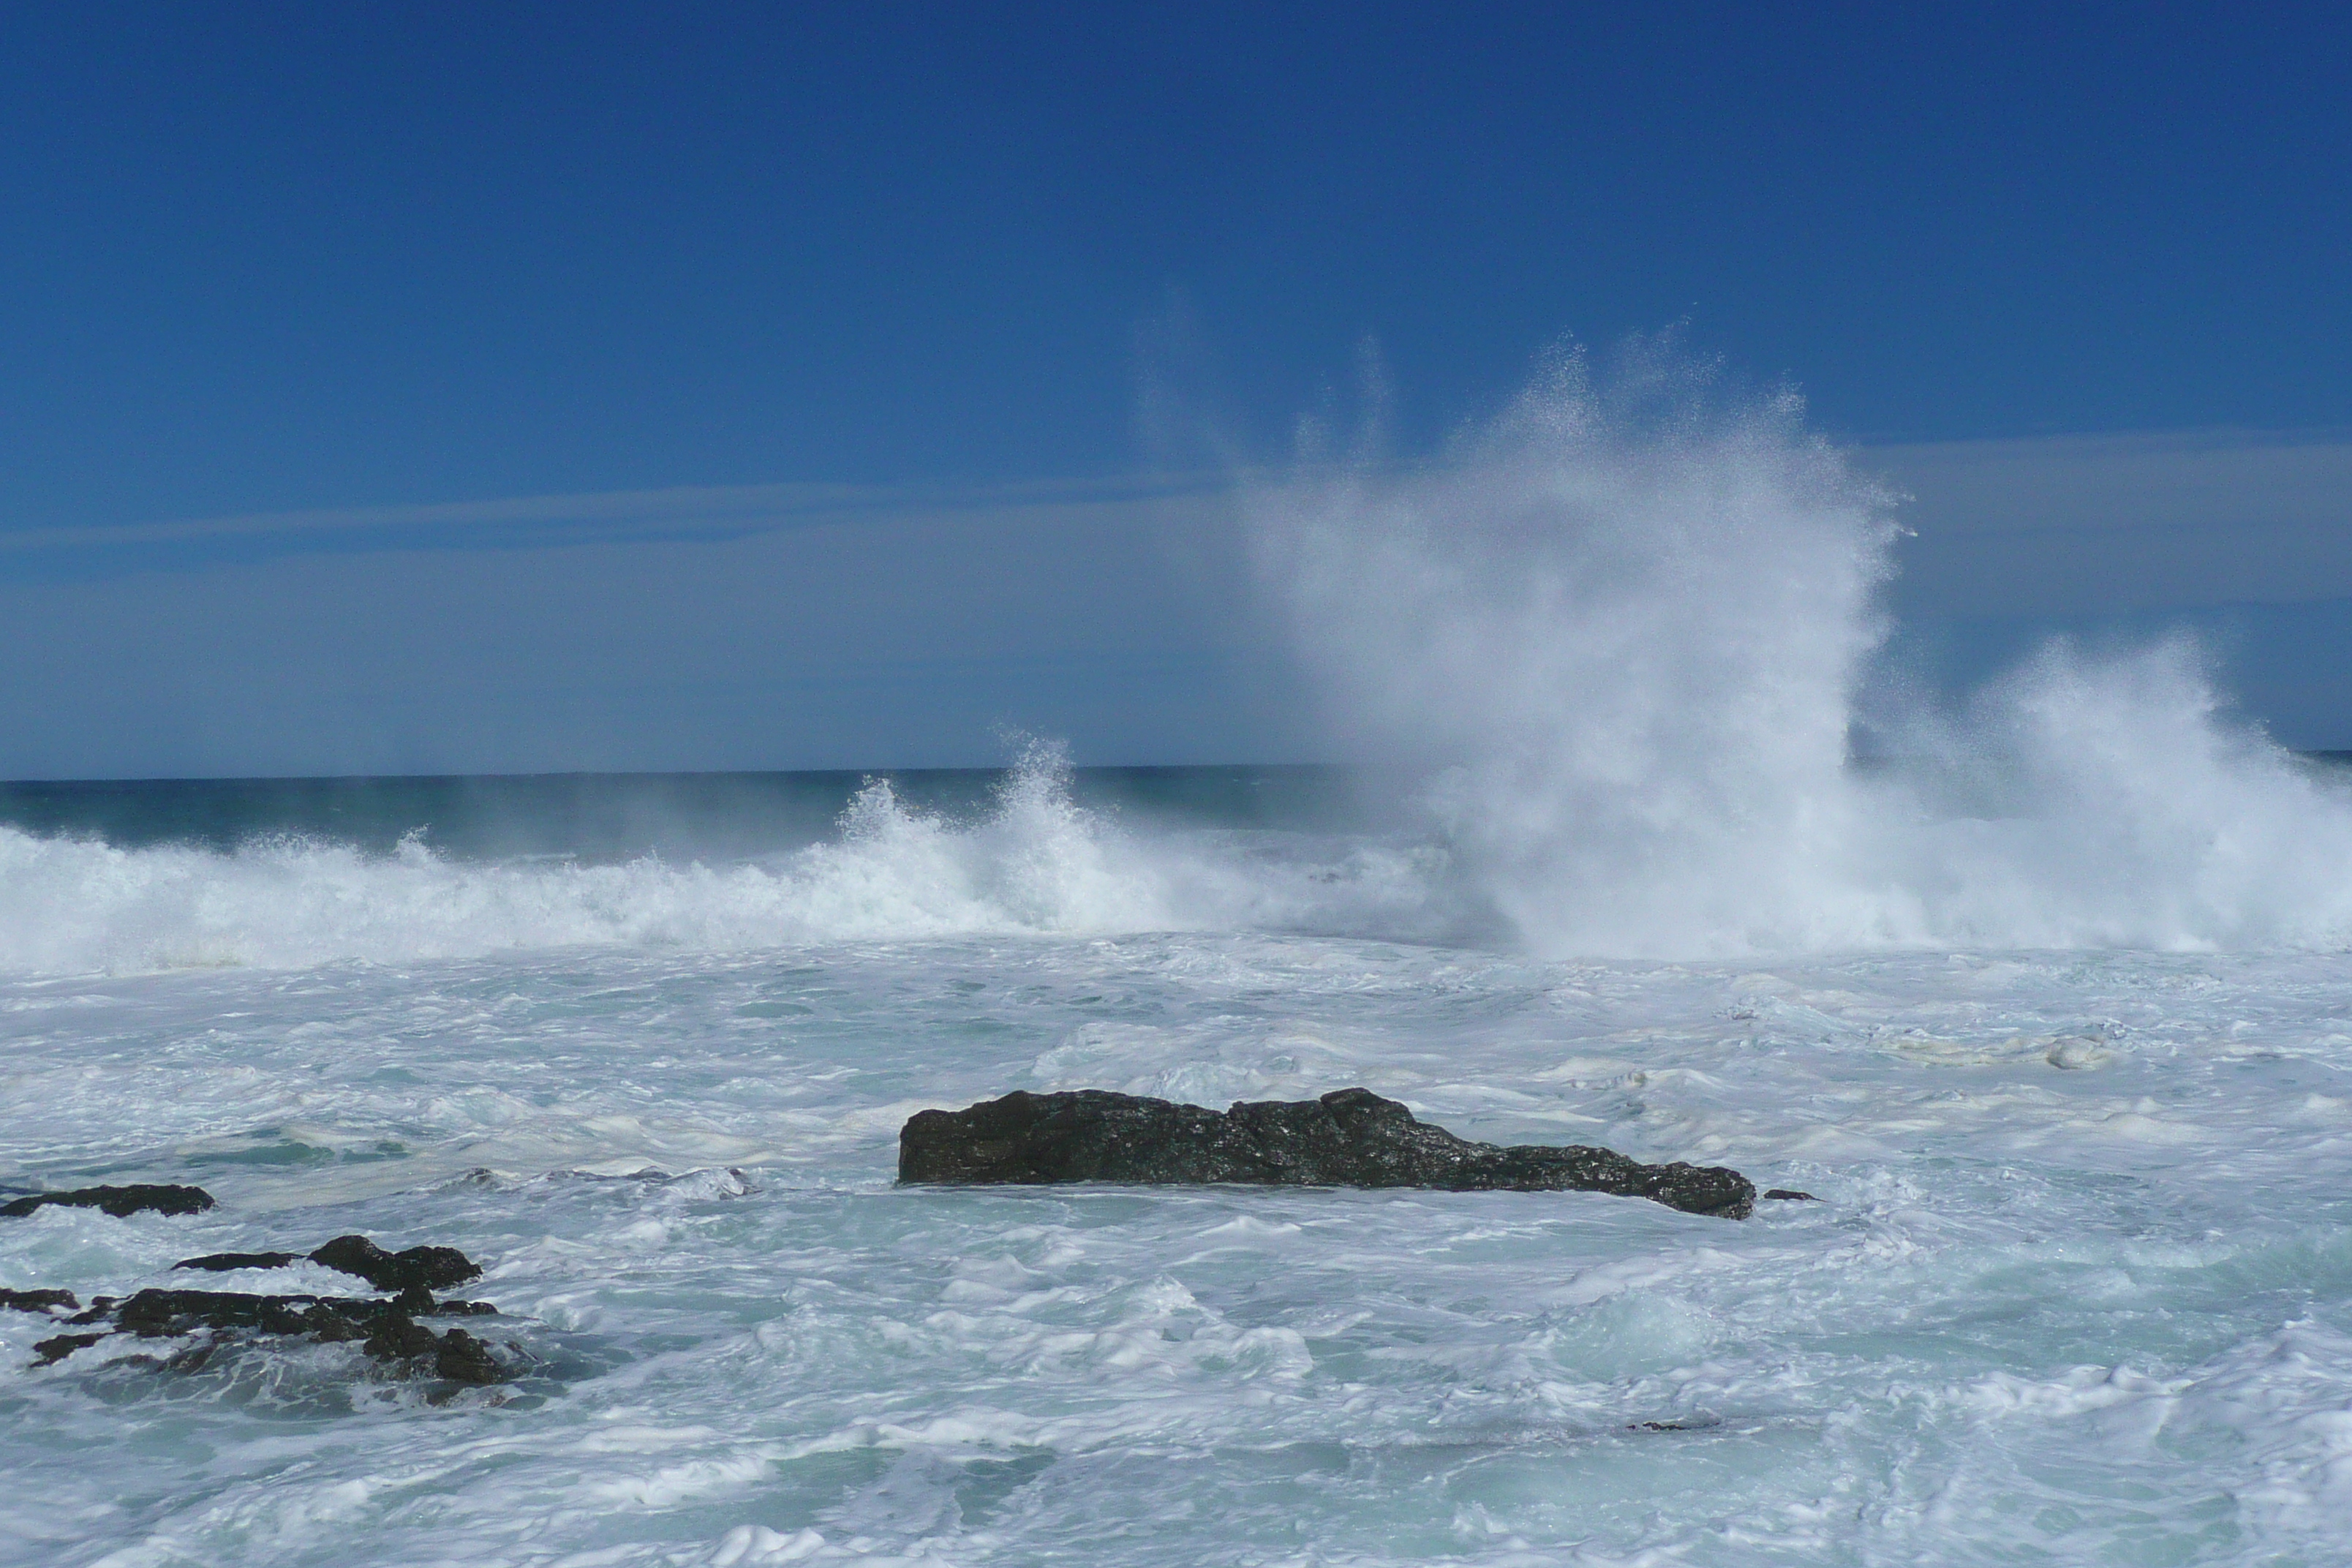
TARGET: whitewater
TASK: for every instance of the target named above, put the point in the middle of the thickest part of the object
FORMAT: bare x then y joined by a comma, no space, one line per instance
2045,996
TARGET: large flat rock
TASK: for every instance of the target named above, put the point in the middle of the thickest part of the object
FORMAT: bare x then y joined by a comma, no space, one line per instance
1351,1137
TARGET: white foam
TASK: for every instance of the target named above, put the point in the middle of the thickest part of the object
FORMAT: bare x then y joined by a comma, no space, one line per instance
1629,620
1034,864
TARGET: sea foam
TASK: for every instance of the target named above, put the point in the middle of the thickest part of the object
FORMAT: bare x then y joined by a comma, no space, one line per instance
1625,624
1031,863
1035,863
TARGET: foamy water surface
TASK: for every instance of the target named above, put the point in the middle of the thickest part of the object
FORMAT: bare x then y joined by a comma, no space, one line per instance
2076,1289
2054,1020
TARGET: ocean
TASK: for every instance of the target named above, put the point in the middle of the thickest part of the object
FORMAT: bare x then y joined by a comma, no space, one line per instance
2049,1008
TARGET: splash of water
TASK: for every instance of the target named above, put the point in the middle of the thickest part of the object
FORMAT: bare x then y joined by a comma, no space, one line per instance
1624,625
1034,864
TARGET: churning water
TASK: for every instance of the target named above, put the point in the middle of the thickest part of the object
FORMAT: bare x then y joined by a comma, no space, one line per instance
2052,1012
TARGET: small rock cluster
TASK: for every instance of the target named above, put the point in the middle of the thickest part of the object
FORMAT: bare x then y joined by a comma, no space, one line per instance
385,1327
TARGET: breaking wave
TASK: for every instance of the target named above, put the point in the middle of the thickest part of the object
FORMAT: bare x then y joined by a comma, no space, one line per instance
1624,627
1617,637
1035,863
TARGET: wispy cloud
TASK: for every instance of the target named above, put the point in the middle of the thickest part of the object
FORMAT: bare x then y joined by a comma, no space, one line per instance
2106,524
715,511
838,626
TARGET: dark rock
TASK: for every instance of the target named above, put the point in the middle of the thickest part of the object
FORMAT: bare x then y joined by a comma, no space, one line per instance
99,1307
160,1314
1789,1195
455,1355
326,1323
1351,1137
40,1301
419,1268
462,1358
386,1331
120,1202
222,1262
396,1336
49,1353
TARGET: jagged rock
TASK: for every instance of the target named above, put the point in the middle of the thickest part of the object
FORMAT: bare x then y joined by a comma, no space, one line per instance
417,1269
396,1335
49,1353
160,1314
386,1330
222,1262
462,1358
1351,1137
120,1202
40,1301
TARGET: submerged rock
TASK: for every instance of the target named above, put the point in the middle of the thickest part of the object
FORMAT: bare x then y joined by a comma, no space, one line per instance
222,1262
417,1269
120,1202
1351,1137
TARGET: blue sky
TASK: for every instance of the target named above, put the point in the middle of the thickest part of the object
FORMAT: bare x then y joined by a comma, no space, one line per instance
787,299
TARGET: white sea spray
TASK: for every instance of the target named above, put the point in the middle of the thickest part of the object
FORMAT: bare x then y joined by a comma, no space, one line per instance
1625,626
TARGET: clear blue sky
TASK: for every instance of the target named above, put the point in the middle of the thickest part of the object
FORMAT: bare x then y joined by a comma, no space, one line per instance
300,258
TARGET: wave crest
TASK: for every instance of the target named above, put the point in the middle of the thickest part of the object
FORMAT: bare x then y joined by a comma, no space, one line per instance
1035,863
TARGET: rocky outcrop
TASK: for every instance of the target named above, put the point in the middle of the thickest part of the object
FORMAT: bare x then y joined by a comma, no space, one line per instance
1352,1138
424,1268
385,1329
417,1269
120,1202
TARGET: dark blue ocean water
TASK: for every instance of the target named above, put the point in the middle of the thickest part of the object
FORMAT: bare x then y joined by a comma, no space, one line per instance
610,816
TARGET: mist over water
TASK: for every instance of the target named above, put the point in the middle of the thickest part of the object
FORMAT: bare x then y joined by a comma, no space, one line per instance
1624,629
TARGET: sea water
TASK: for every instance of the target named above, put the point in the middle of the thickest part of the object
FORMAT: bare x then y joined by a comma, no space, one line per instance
2049,1009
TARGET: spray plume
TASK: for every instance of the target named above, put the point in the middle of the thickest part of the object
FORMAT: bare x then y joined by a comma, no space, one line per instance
1622,627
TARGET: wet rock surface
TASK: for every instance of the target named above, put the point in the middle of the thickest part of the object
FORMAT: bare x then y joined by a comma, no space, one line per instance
417,1269
1351,1137
385,1327
120,1202
222,1262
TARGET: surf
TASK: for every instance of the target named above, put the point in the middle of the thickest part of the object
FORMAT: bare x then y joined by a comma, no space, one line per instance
1621,632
